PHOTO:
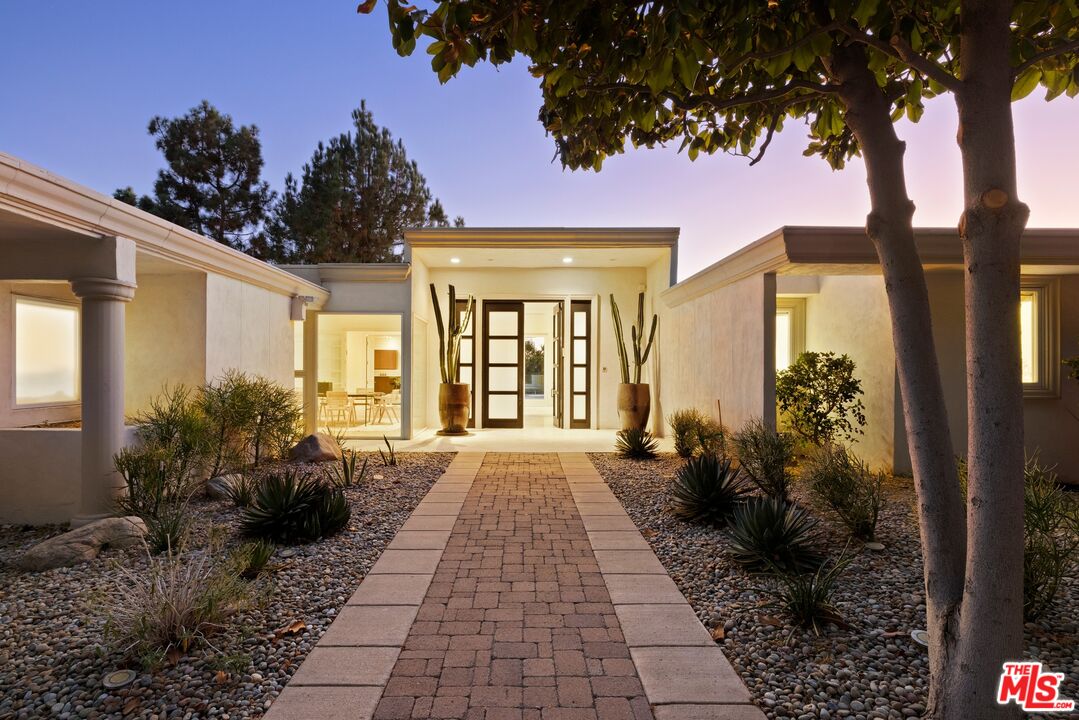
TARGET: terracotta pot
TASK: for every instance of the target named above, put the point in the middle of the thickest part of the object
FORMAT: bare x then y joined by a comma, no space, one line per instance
454,404
634,404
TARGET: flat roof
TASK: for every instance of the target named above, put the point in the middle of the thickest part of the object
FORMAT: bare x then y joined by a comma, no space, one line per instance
542,237
847,250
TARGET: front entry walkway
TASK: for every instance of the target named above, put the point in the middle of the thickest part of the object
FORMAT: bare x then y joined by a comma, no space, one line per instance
520,590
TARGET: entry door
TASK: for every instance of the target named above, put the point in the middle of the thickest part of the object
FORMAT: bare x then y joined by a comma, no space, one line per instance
466,369
580,364
503,364
557,354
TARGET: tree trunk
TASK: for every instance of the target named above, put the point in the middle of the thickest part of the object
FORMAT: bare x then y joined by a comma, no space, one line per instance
889,226
991,229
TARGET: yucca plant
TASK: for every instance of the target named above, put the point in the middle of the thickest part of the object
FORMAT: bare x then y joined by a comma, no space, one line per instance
768,532
636,444
242,492
291,508
807,597
706,489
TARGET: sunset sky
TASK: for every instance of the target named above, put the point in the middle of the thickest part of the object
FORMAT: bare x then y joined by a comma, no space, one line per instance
82,80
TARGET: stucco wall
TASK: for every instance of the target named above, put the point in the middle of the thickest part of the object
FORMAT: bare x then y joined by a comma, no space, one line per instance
247,328
849,315
165,336
550,284
715,350
1051,424
40,474
10,416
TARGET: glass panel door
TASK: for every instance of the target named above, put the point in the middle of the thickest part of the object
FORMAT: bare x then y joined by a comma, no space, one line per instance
466,371
556,364
503,363
580,364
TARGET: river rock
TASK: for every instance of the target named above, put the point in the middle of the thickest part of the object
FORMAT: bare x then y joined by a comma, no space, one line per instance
83,544
317,447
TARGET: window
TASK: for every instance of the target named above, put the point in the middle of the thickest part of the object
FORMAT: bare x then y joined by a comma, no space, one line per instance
1038,337
46,352
790,331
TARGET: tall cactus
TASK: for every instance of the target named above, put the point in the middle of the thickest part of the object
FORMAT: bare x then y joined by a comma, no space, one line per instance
449,352
640,357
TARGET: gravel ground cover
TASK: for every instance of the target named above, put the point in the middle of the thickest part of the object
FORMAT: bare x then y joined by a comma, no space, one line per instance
871,670
53,654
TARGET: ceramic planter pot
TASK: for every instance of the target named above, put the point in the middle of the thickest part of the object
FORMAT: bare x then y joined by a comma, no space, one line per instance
454,403
634,405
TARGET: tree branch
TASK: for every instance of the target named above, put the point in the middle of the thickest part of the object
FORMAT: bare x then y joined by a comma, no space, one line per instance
691,103
808,37
1045,55
900,50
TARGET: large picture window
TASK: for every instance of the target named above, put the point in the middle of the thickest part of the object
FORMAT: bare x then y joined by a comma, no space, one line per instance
1039,340
46,352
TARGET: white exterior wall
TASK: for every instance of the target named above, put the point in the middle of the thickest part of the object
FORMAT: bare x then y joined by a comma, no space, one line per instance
247,328
165,337
849,315
424,350
548,284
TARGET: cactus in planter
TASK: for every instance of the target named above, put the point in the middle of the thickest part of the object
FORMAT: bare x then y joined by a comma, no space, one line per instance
449,350
640,356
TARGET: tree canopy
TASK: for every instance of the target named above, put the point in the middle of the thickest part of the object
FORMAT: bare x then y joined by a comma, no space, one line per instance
723,76
353,202
211,184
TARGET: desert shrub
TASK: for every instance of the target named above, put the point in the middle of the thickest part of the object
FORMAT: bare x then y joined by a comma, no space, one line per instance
765,456
820,398
845,485
175,423
158,492
277,422
1050,538
706,489
292,508
248,420
250,559
173,605
807,597
769,532
635,444
695,433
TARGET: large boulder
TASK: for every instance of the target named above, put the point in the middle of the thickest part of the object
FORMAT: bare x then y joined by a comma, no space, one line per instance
221,487
317,447
83,544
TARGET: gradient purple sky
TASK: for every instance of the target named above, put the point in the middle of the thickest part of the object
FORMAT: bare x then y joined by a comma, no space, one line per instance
81,80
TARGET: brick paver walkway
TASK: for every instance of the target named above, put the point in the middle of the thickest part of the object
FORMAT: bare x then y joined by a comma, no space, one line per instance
517,623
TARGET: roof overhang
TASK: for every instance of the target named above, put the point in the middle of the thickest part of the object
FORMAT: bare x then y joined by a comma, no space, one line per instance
352,272
541,247
56,205
811,250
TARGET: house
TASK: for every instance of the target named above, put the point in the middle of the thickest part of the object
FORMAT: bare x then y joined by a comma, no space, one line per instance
105,305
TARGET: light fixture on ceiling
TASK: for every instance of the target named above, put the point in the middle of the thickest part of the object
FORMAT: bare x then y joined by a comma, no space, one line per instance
567,260
455,260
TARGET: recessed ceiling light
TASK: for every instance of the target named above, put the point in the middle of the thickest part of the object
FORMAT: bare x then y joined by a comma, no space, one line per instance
567,260
455,261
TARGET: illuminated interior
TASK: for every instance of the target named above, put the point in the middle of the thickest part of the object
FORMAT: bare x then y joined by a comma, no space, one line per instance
46,352
359,374
1028,314
784,346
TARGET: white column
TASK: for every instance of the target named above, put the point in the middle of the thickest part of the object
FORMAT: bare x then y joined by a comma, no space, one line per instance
310,372
102,354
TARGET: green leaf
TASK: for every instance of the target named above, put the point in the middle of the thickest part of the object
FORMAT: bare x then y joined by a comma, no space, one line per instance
864,10
804,57
1025,83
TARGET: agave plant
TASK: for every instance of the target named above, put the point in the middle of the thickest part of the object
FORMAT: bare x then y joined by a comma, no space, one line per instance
291,508
706,489
769,532
636,444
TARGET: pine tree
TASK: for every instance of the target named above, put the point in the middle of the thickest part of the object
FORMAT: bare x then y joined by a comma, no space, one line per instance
353,202
211,185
